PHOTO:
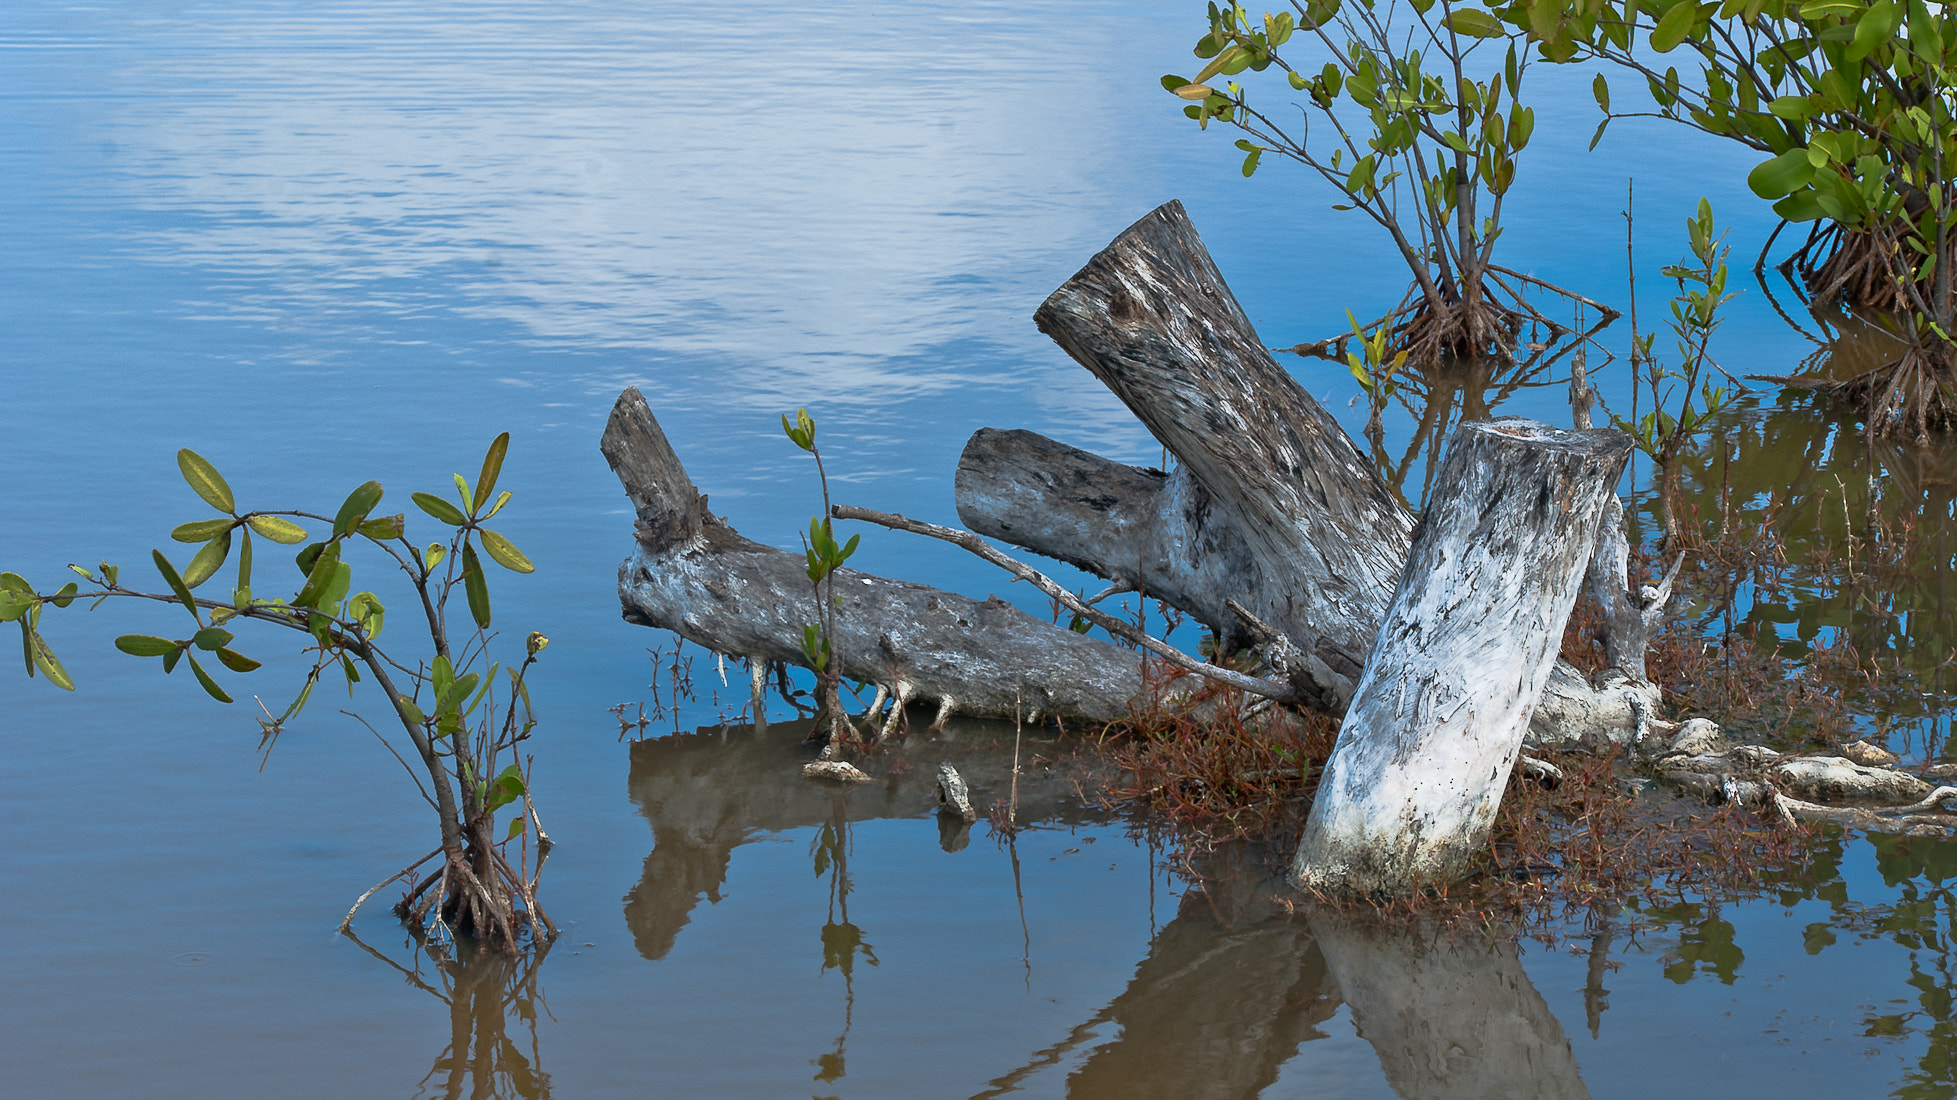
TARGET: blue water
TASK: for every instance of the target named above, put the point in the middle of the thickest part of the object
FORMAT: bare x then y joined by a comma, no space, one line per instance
324,242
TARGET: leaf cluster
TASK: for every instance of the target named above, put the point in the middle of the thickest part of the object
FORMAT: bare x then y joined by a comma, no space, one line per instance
1851,100
1423,129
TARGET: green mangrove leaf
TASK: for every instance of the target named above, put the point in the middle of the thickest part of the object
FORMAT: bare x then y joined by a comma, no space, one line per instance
476,585
1674,26
279,530
45,660
175,581
385,527
14,601
210,685
146,645
201,530
355,508
205,563
801,431
492,466
1473,22
211,639
1772,179
439,508
365,607
505,553
319,574
236,661
205,481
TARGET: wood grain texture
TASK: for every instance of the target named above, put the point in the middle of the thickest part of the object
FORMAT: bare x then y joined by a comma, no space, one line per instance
1461,657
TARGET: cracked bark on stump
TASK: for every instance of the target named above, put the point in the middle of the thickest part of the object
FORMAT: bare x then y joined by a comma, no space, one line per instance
1461,657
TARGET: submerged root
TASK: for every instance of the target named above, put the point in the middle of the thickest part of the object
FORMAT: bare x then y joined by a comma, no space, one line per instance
1912,395
1487,329
499,913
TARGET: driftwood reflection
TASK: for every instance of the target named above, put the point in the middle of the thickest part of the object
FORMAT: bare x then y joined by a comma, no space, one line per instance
1449,1014
1217,1006
484,990
1234,986
709,792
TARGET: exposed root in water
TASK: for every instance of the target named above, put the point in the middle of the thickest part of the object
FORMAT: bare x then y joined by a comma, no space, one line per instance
1214,775
1912,394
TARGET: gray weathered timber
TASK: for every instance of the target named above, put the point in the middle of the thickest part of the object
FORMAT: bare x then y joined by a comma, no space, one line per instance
693,574
1461,657
1151,317
1147,531
1163,534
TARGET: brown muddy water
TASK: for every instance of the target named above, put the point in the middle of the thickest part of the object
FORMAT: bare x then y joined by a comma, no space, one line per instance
337,240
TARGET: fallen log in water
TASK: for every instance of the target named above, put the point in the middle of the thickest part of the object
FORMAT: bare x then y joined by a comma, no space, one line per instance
693,574
1461,657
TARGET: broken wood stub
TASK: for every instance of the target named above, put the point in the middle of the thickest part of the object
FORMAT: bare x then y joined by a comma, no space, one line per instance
1461,657
1151,317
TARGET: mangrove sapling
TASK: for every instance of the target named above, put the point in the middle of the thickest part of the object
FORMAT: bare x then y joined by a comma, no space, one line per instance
825,556
1429,157
1684,396
462,721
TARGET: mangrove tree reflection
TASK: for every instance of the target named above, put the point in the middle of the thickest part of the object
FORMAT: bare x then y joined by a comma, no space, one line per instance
483,990
842,941
1840,541
1919,916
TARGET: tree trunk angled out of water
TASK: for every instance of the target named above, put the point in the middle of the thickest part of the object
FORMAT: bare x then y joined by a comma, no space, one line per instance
1271,506
1462,656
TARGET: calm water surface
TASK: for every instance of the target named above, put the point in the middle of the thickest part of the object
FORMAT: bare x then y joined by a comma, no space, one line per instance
330,241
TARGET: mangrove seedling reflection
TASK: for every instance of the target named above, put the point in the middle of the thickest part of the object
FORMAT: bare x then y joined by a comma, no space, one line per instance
842,941
483,990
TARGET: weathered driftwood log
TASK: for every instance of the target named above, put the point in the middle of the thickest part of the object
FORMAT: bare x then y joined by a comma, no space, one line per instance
1165,536
693,574
1151,317
1461,657
1272,505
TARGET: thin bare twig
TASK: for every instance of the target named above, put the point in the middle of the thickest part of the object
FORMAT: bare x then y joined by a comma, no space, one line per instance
971,542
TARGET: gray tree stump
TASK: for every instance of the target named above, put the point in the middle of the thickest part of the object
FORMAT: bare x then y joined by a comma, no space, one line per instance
1461,657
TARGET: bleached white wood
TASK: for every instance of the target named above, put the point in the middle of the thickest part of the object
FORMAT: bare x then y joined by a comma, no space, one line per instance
1461,657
